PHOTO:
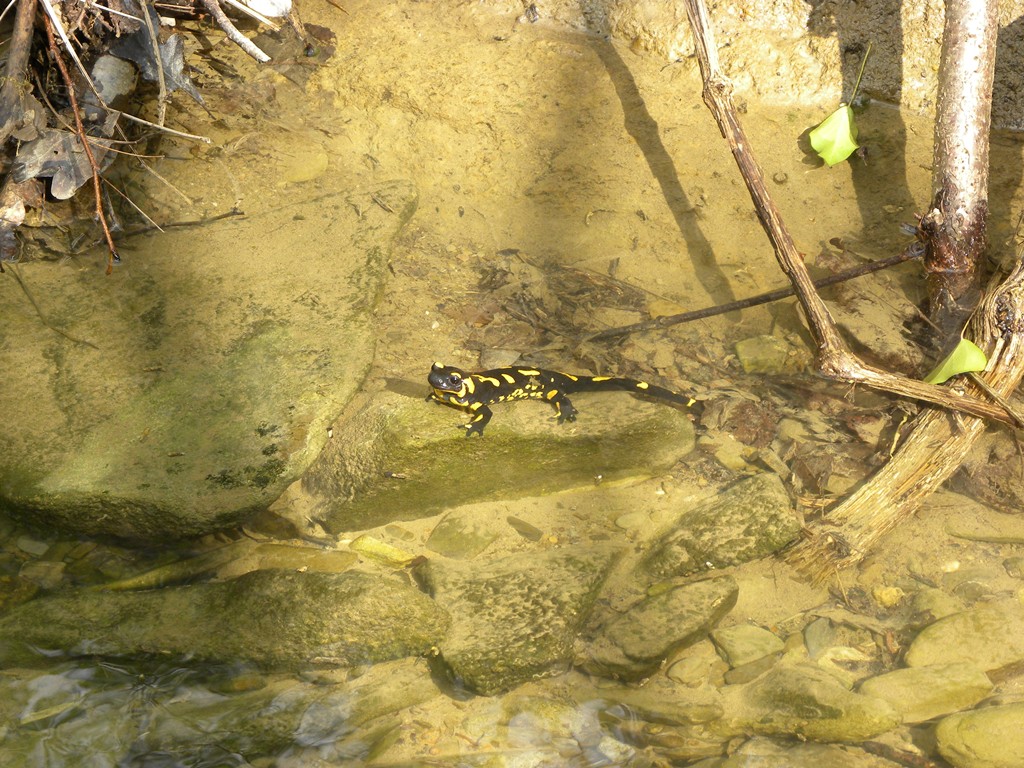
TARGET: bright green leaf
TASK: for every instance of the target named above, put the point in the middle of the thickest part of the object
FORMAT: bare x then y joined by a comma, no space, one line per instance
835,138
964,358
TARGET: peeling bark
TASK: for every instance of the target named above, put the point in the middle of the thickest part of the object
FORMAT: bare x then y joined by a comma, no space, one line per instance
954,227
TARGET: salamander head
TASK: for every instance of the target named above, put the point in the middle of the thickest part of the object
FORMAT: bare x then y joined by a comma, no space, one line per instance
448,383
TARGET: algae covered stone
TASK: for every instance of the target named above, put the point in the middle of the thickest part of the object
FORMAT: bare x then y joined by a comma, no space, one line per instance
804,701
744,643
992,737
352,485
207,386
287,711
634,645
750,519
274,618
988,636
923,693
516,618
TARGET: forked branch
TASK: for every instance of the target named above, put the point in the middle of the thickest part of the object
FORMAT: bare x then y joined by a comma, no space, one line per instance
834,357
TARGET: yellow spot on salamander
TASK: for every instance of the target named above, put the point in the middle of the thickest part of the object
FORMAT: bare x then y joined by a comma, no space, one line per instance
601,378
469,385
552,394
526,372
570,377
489,380
475,406
509,378
642,385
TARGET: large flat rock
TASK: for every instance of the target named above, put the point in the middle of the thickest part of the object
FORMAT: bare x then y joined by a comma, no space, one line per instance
403,459
208,382
277,619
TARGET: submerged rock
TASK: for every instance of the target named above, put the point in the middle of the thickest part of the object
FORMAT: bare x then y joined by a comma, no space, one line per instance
804,701
988,636
206,386
923,693
768,354
462,534
524,452
634,644
514,619
342,718
744,643
765,753
992,737
277,619
750,519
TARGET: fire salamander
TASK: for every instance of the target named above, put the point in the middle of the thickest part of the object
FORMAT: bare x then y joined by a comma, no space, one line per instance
474,392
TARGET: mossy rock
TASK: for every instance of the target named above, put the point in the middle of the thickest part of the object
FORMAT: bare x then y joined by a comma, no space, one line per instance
207,384
401,458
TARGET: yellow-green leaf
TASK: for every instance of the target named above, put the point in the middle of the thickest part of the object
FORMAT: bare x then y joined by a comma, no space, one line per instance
835,138
964,358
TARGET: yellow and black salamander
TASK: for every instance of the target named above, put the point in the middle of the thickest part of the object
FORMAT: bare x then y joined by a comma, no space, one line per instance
474,392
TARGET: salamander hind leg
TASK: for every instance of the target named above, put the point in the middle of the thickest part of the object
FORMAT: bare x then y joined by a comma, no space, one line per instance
564,408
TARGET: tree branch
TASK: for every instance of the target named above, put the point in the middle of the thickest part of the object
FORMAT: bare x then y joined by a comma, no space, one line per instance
955,225
834,359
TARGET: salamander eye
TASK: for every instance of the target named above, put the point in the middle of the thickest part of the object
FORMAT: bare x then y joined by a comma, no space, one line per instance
456,379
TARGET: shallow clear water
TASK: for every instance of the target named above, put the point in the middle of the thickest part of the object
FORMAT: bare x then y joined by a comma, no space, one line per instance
534,155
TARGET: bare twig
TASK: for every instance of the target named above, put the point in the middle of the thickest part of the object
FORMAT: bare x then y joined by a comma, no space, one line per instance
54,18
165,129
914,251
243,8
232,32
55,51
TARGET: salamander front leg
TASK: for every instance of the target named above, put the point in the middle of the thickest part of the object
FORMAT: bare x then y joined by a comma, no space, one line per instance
481,415
564,408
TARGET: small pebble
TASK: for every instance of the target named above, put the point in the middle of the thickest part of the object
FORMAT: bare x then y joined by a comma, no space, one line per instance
32,546
524,529
887,597
632,520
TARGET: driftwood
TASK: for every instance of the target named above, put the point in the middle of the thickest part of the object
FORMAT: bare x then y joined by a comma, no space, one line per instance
939,440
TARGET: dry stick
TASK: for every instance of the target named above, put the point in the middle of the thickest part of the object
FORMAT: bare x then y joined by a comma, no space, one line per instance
165,129
913,251
232,32
113,257
937,444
